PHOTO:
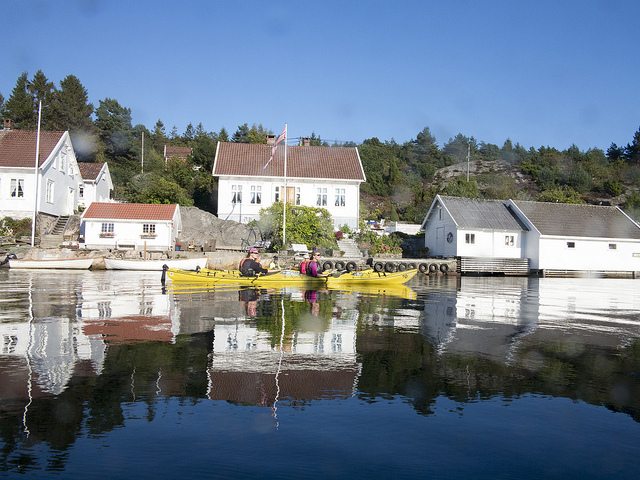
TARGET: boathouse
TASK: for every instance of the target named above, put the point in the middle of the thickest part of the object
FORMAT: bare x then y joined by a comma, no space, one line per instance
564,238
518,237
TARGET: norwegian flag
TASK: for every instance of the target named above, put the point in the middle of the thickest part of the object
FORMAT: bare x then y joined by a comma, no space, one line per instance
282,137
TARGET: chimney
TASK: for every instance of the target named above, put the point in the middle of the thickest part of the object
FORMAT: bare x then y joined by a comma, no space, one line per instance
271,139
8,124
306,141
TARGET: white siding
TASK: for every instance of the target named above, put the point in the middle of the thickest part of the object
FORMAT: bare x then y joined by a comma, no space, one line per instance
588,254
245,211
65,185
129,234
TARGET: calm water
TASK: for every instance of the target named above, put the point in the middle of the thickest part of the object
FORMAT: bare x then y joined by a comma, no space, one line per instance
105,375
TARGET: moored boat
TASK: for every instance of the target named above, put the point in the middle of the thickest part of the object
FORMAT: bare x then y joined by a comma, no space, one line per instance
53,263
206,276
371,277
291,277
155,265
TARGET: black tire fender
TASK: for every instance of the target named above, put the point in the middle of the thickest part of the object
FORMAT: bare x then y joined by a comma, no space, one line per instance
351,266
390,267
433,268
423,268
328,265
339,265
444,268
402,267
378,267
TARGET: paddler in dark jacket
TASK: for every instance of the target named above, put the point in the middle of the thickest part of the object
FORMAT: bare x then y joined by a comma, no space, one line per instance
250,265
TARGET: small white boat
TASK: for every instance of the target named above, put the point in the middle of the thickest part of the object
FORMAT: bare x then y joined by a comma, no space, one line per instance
51,263
155,265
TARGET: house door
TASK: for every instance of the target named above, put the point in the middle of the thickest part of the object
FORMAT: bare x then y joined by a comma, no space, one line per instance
291,195
71,204
440,241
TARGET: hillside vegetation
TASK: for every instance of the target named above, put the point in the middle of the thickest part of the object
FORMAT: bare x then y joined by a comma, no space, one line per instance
402,179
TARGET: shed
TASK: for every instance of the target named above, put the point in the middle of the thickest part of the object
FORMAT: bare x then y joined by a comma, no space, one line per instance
132,226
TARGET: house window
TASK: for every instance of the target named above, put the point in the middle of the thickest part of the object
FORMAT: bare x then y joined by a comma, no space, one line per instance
277,196
256,194
321,199
236,193
509,240
50,186
613,246
149,228
470,238
340,194
571,244
17,187
297,195
63,162
81,191
106,230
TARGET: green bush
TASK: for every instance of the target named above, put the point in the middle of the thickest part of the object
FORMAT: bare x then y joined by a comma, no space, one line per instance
10,227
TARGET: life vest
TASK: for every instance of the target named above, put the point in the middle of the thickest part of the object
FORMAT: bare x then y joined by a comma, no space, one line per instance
303,266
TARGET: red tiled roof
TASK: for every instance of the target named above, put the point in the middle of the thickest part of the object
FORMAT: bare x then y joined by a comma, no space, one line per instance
18,147
130,211
90,170
248,159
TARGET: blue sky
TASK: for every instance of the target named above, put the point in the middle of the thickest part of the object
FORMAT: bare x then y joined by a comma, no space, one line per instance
543,72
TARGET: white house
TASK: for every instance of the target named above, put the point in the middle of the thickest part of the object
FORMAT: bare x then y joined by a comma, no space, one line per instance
552,236
132,226
326,177
465,227
579,237
57,181
97,185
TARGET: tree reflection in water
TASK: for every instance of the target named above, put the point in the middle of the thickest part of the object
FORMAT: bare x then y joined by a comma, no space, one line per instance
91,351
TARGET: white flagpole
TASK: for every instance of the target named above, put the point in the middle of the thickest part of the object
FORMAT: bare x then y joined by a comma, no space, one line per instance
35,203
284,208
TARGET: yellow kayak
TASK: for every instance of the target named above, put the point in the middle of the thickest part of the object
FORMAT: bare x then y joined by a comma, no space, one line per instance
371,277
284,277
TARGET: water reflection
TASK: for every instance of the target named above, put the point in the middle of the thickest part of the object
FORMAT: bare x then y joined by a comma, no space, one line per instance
88,345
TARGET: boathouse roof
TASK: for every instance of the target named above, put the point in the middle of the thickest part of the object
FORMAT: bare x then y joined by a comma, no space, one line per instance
572,220
481,214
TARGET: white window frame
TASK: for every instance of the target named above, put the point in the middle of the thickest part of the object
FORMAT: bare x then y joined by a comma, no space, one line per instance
106,229
16,189
470,238
50,191
80,191
297,195
509,240
321,196
571,244
256,194
236,193
340,197
148,228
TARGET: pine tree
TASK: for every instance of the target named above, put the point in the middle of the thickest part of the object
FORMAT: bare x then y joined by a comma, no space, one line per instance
71,108
19,108
42,90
